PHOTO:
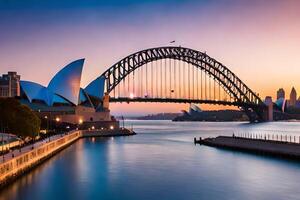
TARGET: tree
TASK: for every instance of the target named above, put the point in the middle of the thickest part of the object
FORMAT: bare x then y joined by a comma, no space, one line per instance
18,119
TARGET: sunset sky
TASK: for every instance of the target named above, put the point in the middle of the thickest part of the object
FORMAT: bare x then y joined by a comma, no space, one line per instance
258,40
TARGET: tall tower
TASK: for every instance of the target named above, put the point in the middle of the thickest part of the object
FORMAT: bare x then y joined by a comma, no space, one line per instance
10,85
14,84
293,97
280,93
268,115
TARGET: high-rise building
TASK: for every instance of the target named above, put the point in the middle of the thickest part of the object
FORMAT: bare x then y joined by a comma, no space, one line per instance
269,104
9,85
293,97
280,93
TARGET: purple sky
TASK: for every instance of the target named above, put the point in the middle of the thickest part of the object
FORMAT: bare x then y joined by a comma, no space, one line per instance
258,40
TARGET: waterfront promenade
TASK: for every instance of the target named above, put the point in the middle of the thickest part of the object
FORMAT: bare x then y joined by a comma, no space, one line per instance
16,163
17,152
86,133
264,146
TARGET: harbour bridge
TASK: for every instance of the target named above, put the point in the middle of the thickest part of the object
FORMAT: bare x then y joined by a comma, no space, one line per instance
179,75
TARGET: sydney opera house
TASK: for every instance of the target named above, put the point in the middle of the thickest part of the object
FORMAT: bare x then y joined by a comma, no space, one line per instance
63,99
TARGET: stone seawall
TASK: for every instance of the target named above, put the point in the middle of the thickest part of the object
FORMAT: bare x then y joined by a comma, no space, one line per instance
18,165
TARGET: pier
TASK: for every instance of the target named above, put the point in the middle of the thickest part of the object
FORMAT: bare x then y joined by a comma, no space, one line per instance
18,162
284,149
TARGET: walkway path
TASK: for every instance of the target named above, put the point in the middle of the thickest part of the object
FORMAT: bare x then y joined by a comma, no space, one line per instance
16,152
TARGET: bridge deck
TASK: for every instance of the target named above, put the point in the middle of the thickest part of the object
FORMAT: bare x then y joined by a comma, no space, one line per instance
176,100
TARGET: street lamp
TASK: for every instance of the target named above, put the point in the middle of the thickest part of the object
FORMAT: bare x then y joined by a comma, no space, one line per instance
20,145
47,121
33,140
57,119
8,140
2,146
80,121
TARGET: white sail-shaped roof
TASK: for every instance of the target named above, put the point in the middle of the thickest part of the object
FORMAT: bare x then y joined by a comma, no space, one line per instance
96,87
66,82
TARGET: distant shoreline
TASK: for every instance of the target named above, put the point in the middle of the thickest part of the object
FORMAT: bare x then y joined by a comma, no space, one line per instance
204,116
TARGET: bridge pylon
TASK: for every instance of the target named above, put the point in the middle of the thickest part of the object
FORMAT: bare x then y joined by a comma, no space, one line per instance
105,101
268,111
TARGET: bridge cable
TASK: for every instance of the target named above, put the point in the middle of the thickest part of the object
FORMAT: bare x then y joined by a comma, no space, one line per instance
197,86
143,84
189,80
205,86
201,83
146,79
170,65
128,84
219,91
152,79
183,69
119,87
123,87
209,87
114,92
141,81
175,77
133,82
165,67
161,79
214,89
114,75
157,78
179,73
193,82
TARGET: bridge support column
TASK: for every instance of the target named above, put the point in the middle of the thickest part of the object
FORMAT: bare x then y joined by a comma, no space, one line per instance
268,112
106,101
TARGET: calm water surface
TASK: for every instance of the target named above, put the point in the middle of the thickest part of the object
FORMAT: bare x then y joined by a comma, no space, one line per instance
161,162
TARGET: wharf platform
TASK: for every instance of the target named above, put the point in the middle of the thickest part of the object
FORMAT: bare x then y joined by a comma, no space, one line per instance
107,133
260,146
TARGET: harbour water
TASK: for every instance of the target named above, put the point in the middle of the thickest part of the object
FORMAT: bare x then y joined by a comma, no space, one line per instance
162,162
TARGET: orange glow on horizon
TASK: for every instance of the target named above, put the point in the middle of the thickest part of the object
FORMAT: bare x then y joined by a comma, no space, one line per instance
153,108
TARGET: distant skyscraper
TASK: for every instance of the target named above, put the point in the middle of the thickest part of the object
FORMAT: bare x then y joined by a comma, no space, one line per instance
293,97
268,100
280,93
9,85
298,103
269,104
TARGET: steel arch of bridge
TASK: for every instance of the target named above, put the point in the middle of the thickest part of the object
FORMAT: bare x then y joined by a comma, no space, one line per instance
243,96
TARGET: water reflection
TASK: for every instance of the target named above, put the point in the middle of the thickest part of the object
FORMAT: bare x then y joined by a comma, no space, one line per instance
161,162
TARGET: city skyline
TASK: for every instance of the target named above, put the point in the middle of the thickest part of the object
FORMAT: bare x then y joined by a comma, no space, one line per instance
257,40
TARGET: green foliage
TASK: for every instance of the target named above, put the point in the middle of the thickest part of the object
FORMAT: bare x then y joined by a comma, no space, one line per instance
18,119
